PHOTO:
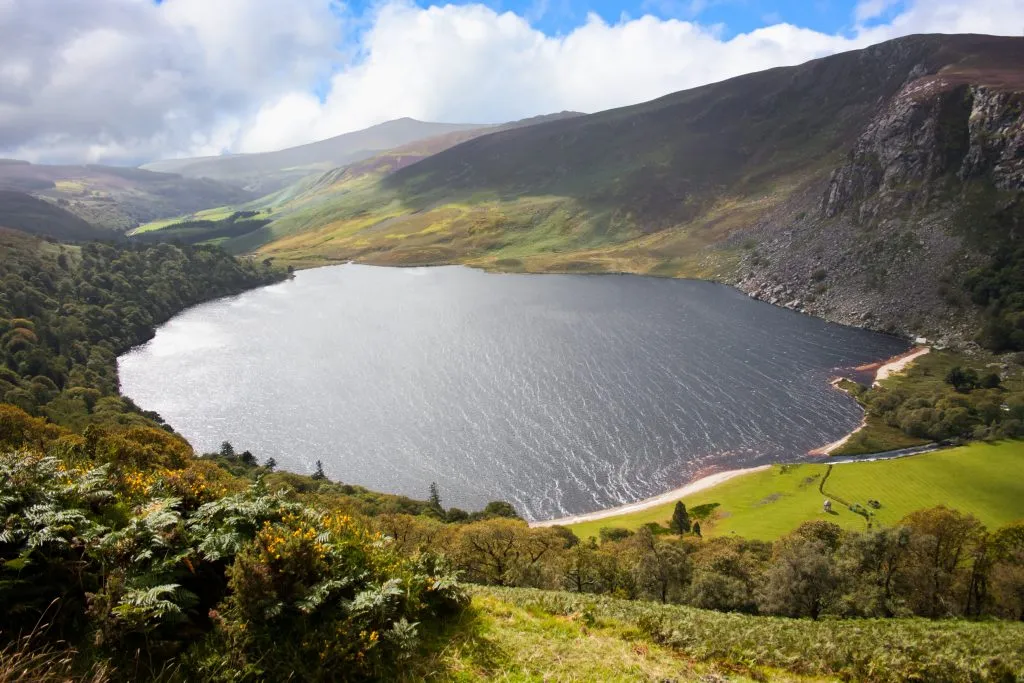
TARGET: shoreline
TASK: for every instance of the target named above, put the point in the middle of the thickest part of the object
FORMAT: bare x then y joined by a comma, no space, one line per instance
883,370
669,496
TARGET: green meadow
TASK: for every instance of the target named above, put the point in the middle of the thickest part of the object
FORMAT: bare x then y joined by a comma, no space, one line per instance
214,214
983,479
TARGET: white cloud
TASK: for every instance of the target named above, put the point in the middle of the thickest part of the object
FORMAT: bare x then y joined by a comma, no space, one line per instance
866,10
117,79
126,79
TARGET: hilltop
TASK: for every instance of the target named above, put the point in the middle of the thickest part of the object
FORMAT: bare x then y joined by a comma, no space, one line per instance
839,187
266,172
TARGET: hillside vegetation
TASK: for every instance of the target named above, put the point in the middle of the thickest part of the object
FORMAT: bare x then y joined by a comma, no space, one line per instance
67,312
522,634
266,172
20,211
808,186
117,199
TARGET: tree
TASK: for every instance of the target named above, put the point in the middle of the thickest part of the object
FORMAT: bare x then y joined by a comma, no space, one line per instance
660,568
247,457
1007,577
680,519
270,464
800,580
227,450
499,508
962,380
434,500
319,475
940,560
696,530
991,381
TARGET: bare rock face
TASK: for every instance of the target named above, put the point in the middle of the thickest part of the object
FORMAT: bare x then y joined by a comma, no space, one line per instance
996,132
880,242
918,138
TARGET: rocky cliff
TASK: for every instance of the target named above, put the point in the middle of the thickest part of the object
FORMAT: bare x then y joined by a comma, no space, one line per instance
930,189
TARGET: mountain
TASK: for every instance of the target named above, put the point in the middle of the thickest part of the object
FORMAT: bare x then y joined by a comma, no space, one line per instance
860,187
117,198
267,172
26,213
316,191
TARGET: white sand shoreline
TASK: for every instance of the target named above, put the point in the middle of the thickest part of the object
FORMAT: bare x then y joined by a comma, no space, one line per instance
899,363
667,497
883,370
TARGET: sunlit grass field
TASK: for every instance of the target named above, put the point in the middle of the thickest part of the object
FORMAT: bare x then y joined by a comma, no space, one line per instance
986,480
214,214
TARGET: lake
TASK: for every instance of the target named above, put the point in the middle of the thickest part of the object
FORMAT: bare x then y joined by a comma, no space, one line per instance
561,394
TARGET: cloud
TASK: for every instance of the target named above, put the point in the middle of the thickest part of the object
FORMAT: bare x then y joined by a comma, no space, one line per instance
866,10
121,78
124,80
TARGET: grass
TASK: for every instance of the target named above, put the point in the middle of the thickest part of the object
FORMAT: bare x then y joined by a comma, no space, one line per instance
516,634
498,640
214,214
986,480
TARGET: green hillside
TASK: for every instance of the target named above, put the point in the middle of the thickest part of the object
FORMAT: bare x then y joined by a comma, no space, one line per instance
698,164
118,199
986,480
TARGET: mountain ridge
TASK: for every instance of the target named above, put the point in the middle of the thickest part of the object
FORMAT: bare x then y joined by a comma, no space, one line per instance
267,172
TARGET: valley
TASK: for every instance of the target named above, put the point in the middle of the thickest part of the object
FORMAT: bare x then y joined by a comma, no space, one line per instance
413,402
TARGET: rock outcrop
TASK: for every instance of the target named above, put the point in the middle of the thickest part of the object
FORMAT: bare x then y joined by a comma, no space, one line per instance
885,241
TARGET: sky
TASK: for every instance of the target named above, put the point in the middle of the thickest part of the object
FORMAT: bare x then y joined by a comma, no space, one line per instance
127,81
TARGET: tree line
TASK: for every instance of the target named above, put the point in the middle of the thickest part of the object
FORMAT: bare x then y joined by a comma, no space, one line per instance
934,563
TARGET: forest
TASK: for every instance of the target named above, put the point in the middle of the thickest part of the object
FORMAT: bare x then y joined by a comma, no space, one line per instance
67,312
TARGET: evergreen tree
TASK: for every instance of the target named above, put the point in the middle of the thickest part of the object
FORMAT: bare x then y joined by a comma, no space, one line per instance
270,464
227,450
319,475
435,498
696,529
680,519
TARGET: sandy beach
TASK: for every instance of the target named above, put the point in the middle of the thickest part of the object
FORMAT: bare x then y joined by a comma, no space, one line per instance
899,363
883,370
667,497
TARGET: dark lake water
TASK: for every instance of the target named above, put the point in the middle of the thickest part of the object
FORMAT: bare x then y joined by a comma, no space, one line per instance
559,393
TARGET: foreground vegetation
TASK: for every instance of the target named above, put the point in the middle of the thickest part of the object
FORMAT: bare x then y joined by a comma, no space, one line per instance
985,480
520,634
